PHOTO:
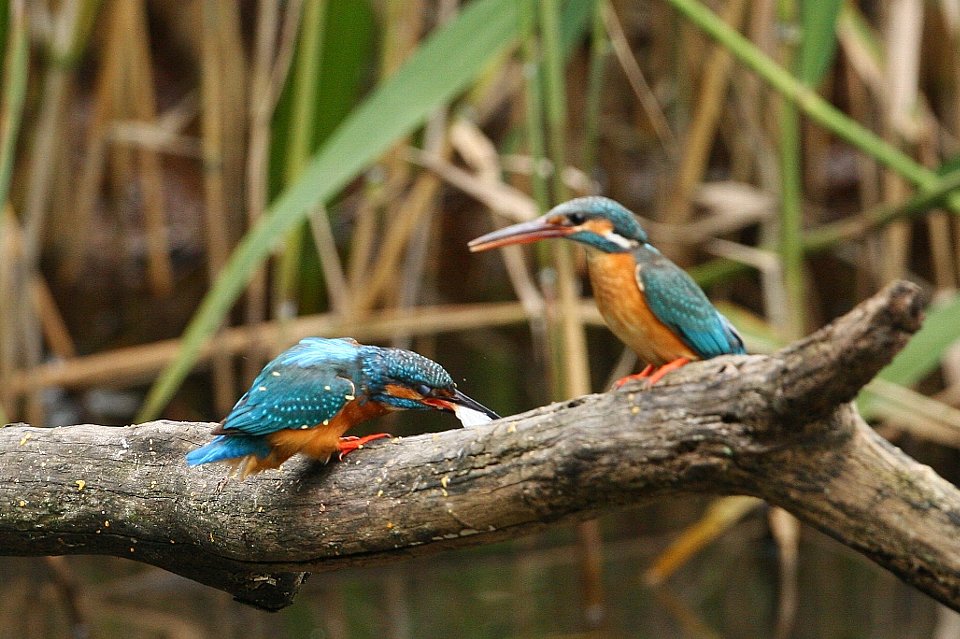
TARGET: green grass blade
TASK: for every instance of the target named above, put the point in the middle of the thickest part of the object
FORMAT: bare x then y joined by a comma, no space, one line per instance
16,63
814,106
923,353
4,25
444,66
326,84
791,189
920,357
345,59
575,16
301,142
819,42
16,42
347,56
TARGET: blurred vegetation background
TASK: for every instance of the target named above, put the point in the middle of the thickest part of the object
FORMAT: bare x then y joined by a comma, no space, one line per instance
191,186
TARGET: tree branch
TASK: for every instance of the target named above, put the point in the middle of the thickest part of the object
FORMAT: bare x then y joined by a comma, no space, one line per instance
779,427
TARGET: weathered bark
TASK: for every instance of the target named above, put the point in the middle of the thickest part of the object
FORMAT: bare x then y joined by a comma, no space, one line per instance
779,427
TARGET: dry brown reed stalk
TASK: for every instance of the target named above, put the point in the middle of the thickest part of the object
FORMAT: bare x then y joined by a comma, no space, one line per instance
169,624
217,236
702,129
234,139
94,156
943,261
258,162
785,529
43,305
165,133
54,327
268,74
405,220
42,160
486,185
692,623
746,134
951,18
404,213
366,215
721,515
338,291
417,274
132,365
143,101
40,171
902,33
566,344
9,343
929,419
503,199
641,88
68,588
862,76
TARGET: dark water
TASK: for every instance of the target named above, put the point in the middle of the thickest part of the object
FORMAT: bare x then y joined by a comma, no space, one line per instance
523,588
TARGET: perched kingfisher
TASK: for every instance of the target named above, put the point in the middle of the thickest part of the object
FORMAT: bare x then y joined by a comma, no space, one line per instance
311,394
649,302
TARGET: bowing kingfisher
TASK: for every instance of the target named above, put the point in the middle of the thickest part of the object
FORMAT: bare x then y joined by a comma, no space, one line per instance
649,302
311,394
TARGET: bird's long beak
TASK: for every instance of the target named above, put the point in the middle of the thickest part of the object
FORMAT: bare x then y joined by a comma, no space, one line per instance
523,233
458,398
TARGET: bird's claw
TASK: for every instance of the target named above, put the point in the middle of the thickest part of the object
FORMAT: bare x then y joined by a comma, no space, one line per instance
350,443
644,374
650,375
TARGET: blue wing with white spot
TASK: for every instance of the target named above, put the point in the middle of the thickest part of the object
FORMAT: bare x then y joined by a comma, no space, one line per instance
304,386
681,305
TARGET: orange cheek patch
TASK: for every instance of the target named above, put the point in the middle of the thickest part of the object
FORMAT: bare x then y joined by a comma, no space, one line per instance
598,226
403,392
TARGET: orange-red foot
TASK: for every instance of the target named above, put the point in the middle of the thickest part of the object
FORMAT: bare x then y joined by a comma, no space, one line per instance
652,375
629,378
351,443
666,368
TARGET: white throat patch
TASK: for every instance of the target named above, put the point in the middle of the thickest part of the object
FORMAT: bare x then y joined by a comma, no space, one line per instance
615,238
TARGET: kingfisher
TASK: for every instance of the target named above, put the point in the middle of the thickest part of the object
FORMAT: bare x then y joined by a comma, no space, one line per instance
311,394
649,302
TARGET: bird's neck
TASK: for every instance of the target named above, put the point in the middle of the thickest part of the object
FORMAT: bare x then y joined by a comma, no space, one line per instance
372,379
607,262
595,254
645,254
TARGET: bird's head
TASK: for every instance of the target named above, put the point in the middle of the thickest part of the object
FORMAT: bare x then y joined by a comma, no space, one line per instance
404,380
595,221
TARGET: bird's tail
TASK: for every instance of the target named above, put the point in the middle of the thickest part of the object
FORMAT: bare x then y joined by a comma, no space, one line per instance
733,337
228,447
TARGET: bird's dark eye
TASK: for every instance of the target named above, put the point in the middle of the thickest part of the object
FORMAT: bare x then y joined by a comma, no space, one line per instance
577,218
424,390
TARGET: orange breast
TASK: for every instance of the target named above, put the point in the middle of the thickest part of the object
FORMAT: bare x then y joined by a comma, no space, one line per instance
624,308
319,442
